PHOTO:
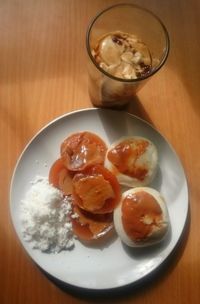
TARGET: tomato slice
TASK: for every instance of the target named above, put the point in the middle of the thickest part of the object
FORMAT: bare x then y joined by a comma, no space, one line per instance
96,190
90,227
60,177
81,150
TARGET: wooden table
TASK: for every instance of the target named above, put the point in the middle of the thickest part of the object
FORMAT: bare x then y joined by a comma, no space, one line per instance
43,75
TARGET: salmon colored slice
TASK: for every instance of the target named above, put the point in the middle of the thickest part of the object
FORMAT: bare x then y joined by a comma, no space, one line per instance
81,150
90,227
60,177
96,190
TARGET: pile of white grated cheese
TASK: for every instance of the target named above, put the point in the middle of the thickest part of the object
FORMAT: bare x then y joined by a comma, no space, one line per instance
45,217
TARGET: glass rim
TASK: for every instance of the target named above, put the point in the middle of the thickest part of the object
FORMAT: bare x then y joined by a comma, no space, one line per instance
164,57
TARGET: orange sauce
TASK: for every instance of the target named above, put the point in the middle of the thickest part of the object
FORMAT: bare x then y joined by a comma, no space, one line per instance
125,155
88,226
60,177
81,150
93,190
140,213
96,190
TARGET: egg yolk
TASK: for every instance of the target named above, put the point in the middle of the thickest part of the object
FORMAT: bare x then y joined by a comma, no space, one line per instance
140,214
125,155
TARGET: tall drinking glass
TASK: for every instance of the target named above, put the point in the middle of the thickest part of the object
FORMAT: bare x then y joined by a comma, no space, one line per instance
114,83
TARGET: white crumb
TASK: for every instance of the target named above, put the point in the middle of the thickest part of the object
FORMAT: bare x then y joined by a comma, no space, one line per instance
45,217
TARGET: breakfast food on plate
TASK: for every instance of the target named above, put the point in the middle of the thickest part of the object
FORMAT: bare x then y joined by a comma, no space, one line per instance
81,150
141,219
82,194
133,160
96,190
123,55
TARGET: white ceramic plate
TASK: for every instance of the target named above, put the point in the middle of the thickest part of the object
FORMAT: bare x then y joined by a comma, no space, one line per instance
113,265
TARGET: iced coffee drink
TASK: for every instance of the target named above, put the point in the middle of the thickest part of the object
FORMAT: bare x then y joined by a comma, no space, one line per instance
123,55
126,46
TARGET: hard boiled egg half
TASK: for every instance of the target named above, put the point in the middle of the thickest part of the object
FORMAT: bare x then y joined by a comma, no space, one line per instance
141,219
133,160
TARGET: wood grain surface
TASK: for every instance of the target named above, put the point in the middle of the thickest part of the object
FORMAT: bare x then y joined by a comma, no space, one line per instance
43,75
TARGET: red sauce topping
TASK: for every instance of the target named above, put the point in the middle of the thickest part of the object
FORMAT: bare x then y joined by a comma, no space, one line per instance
125,155
140,213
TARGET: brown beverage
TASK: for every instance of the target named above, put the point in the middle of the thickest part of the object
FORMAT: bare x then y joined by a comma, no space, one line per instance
126,45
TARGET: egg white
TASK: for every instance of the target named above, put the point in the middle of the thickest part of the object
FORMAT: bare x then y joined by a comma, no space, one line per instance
149,158
157,234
